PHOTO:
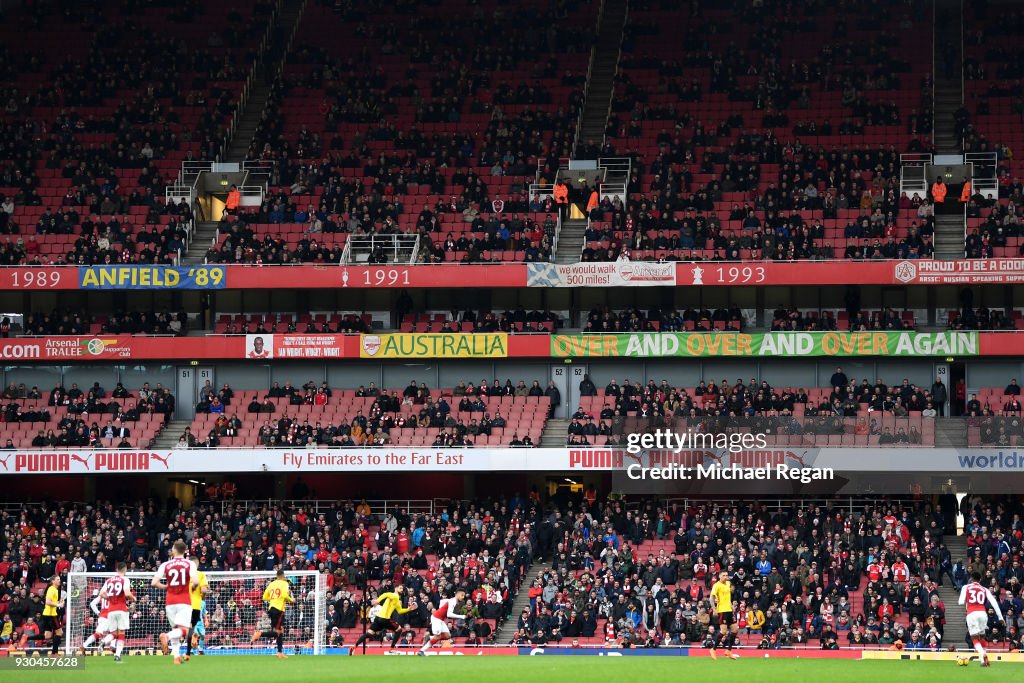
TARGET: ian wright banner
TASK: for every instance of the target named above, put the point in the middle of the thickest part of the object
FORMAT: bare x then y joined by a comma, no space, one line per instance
765,344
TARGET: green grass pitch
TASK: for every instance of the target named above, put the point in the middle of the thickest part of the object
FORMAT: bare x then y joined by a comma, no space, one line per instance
494,669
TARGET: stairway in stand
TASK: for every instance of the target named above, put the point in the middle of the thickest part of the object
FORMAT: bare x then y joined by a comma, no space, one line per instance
555,434
570,241
168,437
950,229
603,67
504,632
956,623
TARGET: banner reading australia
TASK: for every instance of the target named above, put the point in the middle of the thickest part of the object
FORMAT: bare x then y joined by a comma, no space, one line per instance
766,344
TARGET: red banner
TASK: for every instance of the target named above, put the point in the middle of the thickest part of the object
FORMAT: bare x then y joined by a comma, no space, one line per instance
510,275
376,277
768,273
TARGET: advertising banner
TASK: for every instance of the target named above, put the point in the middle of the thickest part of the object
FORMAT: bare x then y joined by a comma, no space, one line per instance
766,344
440,345
943,461
615,274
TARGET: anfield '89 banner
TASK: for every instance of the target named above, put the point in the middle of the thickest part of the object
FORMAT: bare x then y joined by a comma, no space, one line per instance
766,344
152,277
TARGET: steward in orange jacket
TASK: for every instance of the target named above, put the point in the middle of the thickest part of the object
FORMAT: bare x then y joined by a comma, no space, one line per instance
939,191
234,199
965,194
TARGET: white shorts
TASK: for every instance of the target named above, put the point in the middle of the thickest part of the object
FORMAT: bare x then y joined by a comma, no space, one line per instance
180,615
118,621
439,627
102,625
977,623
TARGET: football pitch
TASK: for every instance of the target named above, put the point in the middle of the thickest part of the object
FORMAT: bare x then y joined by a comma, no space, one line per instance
491,669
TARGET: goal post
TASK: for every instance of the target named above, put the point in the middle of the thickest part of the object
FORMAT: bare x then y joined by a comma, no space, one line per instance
234,609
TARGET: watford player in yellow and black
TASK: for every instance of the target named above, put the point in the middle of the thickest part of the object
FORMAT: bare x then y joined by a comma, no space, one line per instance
197,593
278,595
51,622
390,605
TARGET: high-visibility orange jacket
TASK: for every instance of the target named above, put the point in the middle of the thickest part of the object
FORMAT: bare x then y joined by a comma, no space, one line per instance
593,201
939,193
561,193
965,194
234,199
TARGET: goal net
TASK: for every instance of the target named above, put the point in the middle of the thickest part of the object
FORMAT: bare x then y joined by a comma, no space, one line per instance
234,610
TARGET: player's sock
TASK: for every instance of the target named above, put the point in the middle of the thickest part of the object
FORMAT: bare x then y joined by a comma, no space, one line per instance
979,646
175,637
54,645
90,640
426,645
360,640
280,641
188,643
118,647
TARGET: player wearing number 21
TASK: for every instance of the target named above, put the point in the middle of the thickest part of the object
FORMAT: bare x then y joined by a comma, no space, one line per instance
177,577
278,596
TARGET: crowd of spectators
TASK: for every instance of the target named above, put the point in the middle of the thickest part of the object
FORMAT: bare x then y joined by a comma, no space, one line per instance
72,322
621,575
457,417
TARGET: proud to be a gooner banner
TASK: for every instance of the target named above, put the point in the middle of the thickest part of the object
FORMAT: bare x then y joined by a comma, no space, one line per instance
765,344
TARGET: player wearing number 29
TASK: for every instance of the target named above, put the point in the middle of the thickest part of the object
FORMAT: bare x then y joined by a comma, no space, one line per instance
117,591
177,578
977,599
278,596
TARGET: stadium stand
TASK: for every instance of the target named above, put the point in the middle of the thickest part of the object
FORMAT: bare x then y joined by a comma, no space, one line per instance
129,96
806,572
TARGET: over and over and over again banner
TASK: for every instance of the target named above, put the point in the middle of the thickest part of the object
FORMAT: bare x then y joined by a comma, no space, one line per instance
370,347
513,275
221,460
766,344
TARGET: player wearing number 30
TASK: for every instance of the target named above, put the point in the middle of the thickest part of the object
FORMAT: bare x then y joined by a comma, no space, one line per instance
977,599
177,578
278,595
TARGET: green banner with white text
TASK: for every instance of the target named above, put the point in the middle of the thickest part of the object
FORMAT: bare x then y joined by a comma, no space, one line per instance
764,344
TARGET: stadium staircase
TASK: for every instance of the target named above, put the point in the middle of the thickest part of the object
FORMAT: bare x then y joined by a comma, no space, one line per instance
949,96
237,149
168,438
571,236
555,434
950,433
204,237
503,633
949,92
282,34
604,64
956,616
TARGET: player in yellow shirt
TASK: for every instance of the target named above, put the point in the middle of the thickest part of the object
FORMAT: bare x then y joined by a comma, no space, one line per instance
278,595
390,604
721,601
197,593
52,629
